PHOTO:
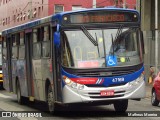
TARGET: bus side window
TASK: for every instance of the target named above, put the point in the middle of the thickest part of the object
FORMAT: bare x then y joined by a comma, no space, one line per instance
4,50
22,46
15,43
36,43
46,46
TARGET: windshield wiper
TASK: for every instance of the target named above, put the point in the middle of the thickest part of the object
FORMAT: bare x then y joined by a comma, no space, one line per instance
90,37
119,31
112,45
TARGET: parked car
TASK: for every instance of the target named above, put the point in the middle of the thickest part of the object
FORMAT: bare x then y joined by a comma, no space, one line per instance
155,99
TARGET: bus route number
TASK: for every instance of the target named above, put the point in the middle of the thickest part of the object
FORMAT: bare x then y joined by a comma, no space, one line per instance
118,80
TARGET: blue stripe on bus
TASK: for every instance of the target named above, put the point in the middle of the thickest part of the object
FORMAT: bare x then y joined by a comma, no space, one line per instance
109,80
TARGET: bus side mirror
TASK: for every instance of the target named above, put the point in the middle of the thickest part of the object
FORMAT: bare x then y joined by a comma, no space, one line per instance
57,38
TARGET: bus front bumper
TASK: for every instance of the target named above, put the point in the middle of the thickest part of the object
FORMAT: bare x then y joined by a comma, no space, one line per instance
131,90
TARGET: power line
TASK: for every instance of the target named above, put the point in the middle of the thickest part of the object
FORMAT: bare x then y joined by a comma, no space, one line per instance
19,12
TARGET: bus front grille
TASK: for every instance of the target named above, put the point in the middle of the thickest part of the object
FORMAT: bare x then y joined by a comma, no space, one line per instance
105,74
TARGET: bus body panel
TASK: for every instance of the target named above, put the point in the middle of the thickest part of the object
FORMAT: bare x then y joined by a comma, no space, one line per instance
21,75
5,75
14,74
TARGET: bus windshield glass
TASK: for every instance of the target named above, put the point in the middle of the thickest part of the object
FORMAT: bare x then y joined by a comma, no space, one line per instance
79,51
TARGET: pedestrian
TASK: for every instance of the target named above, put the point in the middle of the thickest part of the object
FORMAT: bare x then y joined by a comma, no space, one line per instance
152,74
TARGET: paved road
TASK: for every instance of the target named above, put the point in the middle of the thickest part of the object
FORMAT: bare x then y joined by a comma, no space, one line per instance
8,102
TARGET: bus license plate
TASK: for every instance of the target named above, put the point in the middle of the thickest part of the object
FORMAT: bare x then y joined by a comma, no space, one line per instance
107,93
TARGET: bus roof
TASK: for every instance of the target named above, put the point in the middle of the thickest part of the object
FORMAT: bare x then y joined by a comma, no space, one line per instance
55,17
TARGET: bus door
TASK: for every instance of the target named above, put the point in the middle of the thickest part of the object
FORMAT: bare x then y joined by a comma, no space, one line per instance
9,64
28,52
8,79
56,69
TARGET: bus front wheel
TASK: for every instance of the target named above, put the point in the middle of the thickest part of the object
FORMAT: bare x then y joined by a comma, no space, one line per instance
121,106
50,100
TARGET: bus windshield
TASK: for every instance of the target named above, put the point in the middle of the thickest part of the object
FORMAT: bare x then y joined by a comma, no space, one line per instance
79,51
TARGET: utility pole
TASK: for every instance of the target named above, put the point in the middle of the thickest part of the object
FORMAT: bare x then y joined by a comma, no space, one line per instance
94,4
156,36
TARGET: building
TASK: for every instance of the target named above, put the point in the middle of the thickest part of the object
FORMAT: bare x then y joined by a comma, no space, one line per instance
16,12
152,43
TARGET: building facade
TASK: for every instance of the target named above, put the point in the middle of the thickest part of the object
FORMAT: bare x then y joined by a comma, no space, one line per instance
16,12
152,43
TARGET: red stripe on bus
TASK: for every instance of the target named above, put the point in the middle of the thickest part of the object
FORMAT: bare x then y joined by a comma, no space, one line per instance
85,80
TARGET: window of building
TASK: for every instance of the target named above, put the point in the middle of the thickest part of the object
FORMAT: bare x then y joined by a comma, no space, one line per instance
21,16
28,14
18,18
8,20
58,8
35,13
14,18
39,11
76,7
3,22
24,15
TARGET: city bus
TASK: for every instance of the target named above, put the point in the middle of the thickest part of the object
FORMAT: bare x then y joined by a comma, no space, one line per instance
92,56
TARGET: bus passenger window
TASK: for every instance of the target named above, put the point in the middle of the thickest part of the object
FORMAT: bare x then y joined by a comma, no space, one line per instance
21,47
36,43
15,43
46,33
4,50
36,50
35,35
46,42
21,38
46,49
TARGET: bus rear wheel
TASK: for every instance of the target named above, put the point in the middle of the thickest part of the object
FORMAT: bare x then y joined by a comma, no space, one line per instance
50,100
19,97
121,106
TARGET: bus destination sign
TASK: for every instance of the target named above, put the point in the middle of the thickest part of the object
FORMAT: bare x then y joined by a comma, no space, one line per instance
100,17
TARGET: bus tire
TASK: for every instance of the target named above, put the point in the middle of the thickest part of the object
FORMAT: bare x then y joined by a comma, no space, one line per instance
121,106
50,99
154,100
19,97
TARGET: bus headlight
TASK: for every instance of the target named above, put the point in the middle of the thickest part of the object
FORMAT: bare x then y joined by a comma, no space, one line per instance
81,87
72,84
67,80
137,81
